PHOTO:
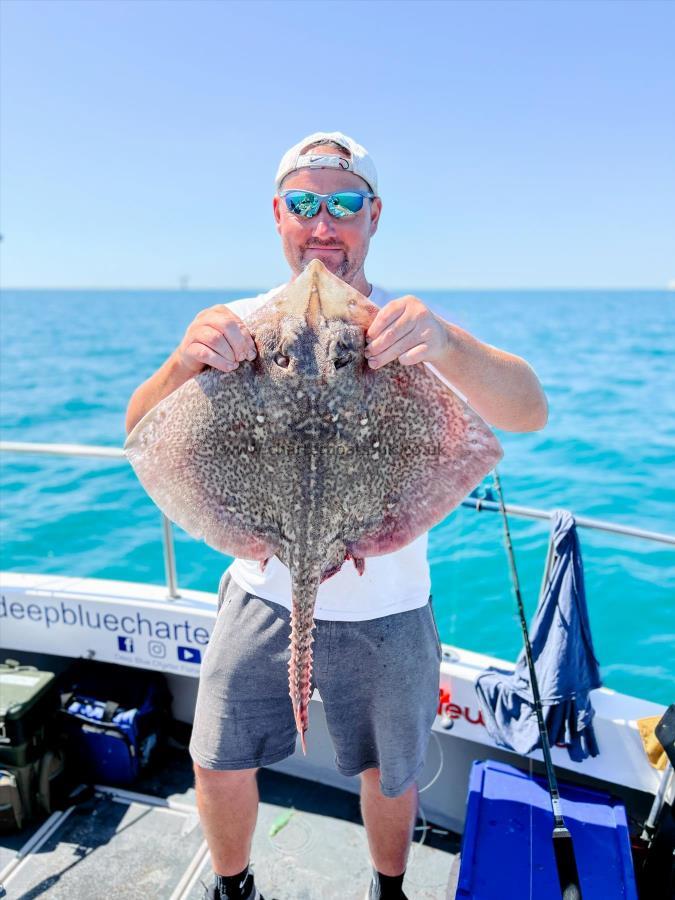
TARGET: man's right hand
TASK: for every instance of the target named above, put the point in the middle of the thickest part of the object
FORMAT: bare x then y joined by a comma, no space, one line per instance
216,337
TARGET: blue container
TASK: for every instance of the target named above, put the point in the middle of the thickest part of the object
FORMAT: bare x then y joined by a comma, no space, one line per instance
507,850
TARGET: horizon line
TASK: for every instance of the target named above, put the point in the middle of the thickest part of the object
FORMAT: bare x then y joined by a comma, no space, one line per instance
250,291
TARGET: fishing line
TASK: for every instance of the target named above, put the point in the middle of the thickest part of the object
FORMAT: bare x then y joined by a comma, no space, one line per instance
531,768
563,847
440,766
420,812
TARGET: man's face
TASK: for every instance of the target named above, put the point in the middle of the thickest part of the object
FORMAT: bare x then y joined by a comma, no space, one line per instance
340,243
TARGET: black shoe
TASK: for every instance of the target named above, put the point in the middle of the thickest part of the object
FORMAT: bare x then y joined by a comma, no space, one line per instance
249,890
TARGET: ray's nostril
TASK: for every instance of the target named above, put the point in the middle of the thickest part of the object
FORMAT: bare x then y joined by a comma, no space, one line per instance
281,360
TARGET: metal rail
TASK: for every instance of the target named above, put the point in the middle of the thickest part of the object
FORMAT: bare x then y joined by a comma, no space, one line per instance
472,502
63,449
92,451
529,512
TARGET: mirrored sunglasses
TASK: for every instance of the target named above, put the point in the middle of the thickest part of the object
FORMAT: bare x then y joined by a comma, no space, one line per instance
340,204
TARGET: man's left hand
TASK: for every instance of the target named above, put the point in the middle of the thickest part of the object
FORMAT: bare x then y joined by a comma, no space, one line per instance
405,330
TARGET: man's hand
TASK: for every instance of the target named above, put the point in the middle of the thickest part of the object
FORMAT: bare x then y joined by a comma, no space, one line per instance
406,330
216,337
500,386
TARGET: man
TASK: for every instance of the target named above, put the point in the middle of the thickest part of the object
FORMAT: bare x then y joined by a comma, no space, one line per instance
376,650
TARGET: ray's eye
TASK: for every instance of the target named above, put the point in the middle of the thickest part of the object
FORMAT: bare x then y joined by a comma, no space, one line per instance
281,360
343,360
343,355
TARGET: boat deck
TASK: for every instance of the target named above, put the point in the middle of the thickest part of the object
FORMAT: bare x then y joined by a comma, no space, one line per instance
309,844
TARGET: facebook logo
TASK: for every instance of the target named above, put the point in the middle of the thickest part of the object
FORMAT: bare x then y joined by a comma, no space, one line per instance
125,644
189,654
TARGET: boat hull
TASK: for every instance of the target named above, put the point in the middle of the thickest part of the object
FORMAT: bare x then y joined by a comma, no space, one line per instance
53,619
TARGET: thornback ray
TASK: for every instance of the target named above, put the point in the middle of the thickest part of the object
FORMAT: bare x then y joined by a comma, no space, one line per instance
308,454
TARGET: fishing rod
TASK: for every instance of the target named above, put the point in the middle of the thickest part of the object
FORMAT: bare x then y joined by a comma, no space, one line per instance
563,847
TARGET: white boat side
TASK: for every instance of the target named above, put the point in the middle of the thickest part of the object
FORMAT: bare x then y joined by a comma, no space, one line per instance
139,626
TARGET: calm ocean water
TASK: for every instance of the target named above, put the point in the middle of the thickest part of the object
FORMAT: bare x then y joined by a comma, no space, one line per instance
70,360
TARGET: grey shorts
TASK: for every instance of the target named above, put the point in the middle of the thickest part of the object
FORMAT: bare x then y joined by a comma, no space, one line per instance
378,681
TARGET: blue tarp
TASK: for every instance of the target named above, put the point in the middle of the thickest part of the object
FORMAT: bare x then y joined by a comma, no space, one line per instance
565,663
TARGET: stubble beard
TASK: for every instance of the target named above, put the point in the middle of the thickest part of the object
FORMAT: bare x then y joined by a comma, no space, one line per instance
346,269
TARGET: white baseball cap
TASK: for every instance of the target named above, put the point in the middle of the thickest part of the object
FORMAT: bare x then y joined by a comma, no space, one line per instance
359,162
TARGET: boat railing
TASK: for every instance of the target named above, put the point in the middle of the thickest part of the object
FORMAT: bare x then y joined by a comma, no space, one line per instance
478,500
95,452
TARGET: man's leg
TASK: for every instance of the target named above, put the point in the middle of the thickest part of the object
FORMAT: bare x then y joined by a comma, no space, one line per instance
389,823
228,808
380,696
243,678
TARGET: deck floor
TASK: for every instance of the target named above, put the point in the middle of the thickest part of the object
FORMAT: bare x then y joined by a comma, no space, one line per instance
309,844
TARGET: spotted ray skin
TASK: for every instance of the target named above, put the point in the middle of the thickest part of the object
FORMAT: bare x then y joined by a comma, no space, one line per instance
308,454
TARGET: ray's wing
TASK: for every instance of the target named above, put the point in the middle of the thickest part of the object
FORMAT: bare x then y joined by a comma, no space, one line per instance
194,453
432,450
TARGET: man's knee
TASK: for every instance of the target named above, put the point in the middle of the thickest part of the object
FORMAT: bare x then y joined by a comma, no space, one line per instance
370,782
223,778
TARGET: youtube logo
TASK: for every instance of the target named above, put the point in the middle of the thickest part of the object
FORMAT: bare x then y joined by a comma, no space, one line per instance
189,655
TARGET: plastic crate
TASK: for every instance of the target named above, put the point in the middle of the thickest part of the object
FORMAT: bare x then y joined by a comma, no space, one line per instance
507,850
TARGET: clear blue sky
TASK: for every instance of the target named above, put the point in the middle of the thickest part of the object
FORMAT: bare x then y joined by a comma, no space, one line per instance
519,144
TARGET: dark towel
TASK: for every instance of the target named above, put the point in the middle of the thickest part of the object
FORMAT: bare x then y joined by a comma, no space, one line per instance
566,667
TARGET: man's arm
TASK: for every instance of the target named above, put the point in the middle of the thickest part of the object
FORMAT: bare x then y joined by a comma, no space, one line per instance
500,386
217,337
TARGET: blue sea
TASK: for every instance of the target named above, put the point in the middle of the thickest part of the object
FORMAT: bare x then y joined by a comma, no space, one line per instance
71,359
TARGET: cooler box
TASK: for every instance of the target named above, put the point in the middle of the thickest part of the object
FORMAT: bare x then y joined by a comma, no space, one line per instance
28,703
507,850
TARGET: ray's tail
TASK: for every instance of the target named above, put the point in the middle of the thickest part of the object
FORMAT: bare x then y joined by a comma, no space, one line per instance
300,665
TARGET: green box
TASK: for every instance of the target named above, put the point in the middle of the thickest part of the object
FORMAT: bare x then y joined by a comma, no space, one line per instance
28,702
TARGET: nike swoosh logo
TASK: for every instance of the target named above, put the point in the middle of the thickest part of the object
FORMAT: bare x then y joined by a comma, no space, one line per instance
342,162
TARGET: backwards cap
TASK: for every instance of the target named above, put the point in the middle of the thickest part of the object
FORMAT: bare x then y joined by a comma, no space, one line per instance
360,162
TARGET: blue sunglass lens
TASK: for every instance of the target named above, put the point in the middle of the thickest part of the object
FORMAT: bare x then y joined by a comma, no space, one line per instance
303,203
345,203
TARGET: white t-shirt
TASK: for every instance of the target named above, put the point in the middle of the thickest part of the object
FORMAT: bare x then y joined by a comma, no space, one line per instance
392,583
